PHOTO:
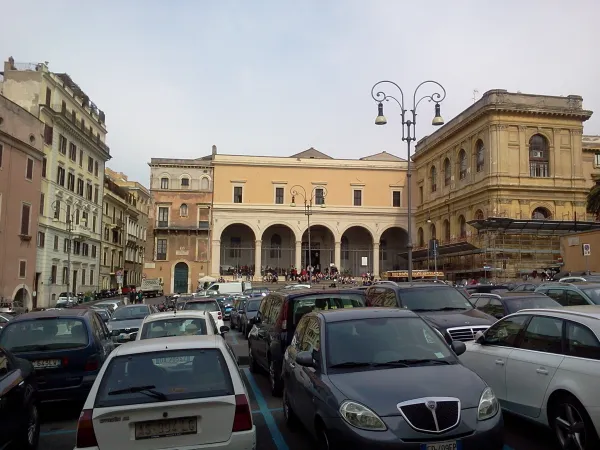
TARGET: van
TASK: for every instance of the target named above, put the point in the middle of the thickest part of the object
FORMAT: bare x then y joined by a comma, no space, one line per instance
232,288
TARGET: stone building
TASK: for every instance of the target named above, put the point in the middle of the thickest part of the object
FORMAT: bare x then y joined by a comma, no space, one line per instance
113,228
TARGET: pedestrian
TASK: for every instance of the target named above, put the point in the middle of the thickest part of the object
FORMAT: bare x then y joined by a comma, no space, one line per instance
140,297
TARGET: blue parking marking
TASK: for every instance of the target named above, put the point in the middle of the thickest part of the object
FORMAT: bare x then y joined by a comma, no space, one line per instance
234,340
266,413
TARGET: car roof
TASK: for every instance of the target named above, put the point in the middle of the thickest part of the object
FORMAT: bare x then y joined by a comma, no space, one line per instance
579,284
170,343
586,314
69,312
343,314
291,294
415,285
133,306
202,300
184,314
510,295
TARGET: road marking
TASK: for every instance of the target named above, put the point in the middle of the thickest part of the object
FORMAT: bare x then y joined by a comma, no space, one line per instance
234,340
266,413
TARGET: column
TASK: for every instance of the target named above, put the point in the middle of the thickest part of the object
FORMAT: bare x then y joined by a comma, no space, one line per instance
298,256
376,259
215,259
257,260
337,255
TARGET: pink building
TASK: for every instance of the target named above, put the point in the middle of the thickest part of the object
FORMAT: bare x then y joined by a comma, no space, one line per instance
21,168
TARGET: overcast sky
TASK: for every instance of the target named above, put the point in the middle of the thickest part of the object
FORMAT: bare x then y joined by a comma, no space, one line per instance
277,77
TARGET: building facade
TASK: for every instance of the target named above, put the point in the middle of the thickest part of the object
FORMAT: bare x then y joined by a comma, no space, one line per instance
21,168
498,184
113,229
71,193
178,250
358,220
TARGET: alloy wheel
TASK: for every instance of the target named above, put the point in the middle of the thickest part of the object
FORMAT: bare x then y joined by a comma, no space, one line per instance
32,426
570,427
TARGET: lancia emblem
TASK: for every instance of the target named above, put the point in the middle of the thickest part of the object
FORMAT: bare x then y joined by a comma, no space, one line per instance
431,404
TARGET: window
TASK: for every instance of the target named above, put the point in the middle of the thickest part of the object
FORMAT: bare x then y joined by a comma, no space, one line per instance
382,297
433,178
72,152
539,157
44,164
42,201
83,280
183,210
163,216
420,195
396,199
96,168
582,342
319,196
80,158
91,277
25,218
505,332
558,295
185,182
357,198
235,247
279,196
88,191
71,182
480,155
479,215
543,334
90,167
96,194
237,194
29,169
55,246
446,230
164,183
94,223
22,269
575,298
421,237
462,164
41,239
161,249
596,160
48,96
204,184
48,134
80,187
462,224
62,144
1,150
311,341
53,273
94,249
541,214
447,172
60,176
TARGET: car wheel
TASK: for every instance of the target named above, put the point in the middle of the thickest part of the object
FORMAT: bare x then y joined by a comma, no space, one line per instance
291,420
252,366
31,433
324,439
275,380
572,425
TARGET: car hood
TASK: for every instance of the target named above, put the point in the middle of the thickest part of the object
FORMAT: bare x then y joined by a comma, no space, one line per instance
449,319
124,324
382,390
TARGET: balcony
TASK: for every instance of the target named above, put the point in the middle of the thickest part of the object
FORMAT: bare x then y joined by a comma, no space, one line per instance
117,223
80,232
203,225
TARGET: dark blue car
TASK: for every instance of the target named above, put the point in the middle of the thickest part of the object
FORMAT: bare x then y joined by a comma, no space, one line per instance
66,348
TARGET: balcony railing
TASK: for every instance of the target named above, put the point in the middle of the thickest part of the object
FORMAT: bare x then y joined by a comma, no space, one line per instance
202,225
80,232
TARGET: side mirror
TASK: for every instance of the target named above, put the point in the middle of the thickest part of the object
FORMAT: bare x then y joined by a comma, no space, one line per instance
305,359
114,333
224,329
133,336
459,347
479,337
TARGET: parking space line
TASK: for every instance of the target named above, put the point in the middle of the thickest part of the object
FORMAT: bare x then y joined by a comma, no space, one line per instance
266,413
234,340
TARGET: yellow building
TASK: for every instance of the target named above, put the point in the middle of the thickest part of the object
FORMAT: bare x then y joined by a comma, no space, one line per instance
499,183
113,225
358,221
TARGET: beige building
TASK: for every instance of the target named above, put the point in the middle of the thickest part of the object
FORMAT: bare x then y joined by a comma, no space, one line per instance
358,221
499,184
113,227
178,250
21,171
573,255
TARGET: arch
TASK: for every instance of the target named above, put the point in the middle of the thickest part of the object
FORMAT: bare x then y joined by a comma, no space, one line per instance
23,292
478,215
433,178
421,237
462,227
432,231
479,155
185,181
539,156
446,228
321,252
359,225
360,246
164,180
447,172
541,213
236,222
337,236
183,210
392,249
462,164
238,244
205,183
181,281
278,248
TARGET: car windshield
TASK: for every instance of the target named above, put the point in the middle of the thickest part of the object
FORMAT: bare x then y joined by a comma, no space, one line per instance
324,302
253,305
593,294
170,375
178,326
517,304
433,299
131,312
211,306
401,340
45,334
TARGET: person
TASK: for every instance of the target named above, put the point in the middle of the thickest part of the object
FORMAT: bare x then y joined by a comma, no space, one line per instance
140,297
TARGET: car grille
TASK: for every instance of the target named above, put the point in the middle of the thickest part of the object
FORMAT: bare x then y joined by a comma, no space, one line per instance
465,333
431,415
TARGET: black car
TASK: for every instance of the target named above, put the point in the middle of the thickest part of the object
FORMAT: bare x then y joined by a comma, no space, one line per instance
487,288
443,306
382,378
276,320
500,305
126,321
19,416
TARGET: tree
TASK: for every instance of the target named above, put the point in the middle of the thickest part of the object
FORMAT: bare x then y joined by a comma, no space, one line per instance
593,201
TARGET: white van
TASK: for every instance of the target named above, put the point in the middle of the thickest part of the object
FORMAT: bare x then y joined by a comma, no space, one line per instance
231,288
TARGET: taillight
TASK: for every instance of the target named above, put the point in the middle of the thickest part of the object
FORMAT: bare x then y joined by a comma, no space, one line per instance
242,420
92,364
85,430
65,362
219,316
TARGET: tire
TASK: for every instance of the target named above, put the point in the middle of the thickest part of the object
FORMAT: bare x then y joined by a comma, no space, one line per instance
252,365
568,418
275,381
291,420
30,436
323,438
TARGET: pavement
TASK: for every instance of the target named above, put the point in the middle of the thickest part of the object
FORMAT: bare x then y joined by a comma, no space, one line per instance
59,421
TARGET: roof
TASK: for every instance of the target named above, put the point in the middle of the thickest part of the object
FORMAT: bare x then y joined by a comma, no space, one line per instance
382,156
292,293
67,312
418,284
170,343
590,142
133,305
518,225
340,315
589,311
184,314
510,295
311,153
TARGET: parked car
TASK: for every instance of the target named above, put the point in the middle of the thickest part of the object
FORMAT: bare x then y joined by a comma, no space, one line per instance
238,306
248,314
169,402
13,307
376,384
276,320
443,306
111,304
572,294
257,292
525,287
486,288
126,321
183,323
19,402
543,364
66,347
209,305
4,319
500,305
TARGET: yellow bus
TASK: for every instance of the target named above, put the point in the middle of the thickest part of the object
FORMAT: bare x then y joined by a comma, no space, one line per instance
417,275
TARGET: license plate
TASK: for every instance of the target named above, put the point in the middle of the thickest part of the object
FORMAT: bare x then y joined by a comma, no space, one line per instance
173,360
448,445
46,364
165,428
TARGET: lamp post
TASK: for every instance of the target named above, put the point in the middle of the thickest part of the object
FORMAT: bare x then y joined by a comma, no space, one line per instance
409,121
309,201
69,218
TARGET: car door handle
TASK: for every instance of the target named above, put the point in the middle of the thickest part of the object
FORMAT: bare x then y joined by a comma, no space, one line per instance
500,362
542,371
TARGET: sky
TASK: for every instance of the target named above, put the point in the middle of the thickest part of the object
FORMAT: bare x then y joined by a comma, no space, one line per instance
266,77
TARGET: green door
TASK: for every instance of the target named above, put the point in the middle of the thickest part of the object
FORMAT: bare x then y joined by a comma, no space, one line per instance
181,278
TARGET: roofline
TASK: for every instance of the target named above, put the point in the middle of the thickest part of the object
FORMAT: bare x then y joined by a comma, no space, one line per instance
561,311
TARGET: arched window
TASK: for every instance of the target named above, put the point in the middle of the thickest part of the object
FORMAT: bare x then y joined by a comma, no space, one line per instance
462,226
539,157
447,172
164,183
479,215
204,184
432,231
446,230
421,237
462,164
433,175
541,214
480,155
185,183
183,210
275,246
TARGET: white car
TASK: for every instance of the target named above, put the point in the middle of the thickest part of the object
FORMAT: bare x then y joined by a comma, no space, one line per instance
544,365
206,304
171,393
178,323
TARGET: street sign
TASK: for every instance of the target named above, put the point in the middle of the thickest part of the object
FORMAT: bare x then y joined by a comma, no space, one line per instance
433,248
587,249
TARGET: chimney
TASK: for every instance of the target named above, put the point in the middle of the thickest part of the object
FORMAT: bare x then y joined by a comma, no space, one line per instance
214,150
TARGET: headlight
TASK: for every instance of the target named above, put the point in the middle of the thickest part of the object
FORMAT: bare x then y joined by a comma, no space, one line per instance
488,405
360,416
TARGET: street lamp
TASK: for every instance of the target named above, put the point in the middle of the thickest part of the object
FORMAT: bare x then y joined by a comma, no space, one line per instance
69,219
309,201
408,134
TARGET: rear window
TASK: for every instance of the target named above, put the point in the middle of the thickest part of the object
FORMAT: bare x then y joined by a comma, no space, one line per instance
44,335
203,306
131,312
253,305
517,304
167,376
434,299
173,327
324,302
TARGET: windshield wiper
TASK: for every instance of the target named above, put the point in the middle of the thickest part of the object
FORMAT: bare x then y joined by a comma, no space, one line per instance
452,308
351,364
411,362
148,390
399,363
424,310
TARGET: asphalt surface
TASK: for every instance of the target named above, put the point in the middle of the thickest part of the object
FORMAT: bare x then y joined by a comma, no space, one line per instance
59,421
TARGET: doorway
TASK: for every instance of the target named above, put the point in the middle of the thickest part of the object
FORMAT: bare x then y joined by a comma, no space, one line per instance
180,278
